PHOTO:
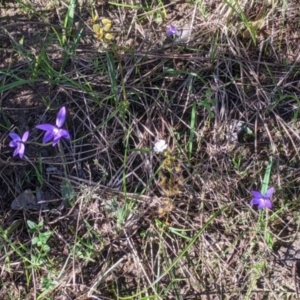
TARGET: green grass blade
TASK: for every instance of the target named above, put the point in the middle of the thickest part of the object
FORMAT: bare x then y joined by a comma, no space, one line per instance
192,129
69,21
267,177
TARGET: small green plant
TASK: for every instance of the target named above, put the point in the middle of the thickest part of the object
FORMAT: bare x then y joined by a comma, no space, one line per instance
120,212
237,160
48,283
85,250
207,103
39,241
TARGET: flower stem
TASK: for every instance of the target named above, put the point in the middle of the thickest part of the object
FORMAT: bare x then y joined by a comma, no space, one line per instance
63,159
66,187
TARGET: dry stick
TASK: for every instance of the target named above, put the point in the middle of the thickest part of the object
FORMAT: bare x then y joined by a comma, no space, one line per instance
75,244
295,278
106,273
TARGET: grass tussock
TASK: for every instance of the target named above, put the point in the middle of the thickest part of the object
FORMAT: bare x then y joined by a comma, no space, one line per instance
118,220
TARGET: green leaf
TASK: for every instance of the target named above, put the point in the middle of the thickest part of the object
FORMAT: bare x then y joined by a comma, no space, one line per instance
35,240
43,237
267,177
141,150
69,21
46,248
41,224
247,129
269,239
31,224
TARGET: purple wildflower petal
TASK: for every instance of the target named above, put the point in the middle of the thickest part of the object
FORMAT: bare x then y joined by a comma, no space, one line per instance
49,135
269,192
16,152
55,141
261,205
172,30
13,143
64,133
15,136
255,201
268,204
46,127
25,136
256,194
61,116
21,150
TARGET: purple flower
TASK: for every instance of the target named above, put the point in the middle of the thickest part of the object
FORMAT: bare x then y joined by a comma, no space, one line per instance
18,142
172,30
262,200
55,133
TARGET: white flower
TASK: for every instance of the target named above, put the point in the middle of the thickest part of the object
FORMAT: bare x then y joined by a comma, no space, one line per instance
160,146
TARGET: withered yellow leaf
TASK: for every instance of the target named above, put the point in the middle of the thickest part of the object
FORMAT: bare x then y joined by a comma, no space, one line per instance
109,36
107,24
98,31
93,19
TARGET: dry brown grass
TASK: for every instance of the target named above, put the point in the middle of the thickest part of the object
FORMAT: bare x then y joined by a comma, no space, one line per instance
136,231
